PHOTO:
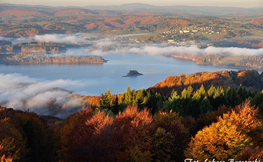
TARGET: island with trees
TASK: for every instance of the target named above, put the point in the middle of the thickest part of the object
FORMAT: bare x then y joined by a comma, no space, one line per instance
31,58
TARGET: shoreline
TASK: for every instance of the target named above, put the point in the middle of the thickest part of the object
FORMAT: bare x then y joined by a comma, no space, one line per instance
4,63
41,59
212,64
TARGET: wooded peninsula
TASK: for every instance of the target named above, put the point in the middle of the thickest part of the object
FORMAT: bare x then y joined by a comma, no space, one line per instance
41,47
249,62
31,58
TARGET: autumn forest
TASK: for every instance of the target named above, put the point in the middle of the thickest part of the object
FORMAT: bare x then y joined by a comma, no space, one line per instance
218,116
201,68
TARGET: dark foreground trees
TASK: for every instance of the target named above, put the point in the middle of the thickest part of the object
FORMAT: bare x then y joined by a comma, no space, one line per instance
132,136
23,136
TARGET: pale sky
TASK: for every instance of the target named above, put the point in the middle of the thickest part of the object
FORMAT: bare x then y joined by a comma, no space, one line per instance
220,3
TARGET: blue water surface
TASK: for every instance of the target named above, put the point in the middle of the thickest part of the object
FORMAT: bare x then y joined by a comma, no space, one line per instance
98,78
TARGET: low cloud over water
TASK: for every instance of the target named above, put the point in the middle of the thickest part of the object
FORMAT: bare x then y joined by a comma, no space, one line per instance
158,50
24,93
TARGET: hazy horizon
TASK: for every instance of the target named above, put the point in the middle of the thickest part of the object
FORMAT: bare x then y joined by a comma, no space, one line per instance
81,3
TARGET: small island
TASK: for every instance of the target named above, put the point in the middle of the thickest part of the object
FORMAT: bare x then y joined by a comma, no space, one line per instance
133,73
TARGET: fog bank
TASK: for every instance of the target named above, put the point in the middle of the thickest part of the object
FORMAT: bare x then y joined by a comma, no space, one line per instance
42,97
168,50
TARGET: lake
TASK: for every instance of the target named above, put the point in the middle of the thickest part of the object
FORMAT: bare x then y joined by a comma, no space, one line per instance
96,79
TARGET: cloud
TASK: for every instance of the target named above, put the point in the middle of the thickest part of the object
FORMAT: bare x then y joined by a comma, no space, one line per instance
153,50
59,38
6,38
233,51
161,49
84,38
102,41
55,38
21,92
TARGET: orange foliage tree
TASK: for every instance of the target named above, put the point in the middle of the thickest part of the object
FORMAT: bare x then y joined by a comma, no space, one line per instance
103,138
62,134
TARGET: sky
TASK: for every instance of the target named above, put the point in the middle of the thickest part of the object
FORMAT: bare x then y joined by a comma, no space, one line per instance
220,3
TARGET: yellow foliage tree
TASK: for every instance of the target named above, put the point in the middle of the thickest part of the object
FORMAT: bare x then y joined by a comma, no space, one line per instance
226,138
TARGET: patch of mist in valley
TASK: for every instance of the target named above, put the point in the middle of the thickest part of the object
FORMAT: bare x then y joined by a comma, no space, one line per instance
165,49
109,44
45,97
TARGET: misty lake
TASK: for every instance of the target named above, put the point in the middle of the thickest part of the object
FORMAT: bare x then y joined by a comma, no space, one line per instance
96,79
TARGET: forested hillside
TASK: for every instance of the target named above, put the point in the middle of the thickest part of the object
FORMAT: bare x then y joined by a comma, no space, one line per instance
148,125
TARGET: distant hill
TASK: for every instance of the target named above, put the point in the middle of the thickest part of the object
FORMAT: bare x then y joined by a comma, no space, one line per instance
246,12
132,9
10,11
128,7
187,10
15,13
7,6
